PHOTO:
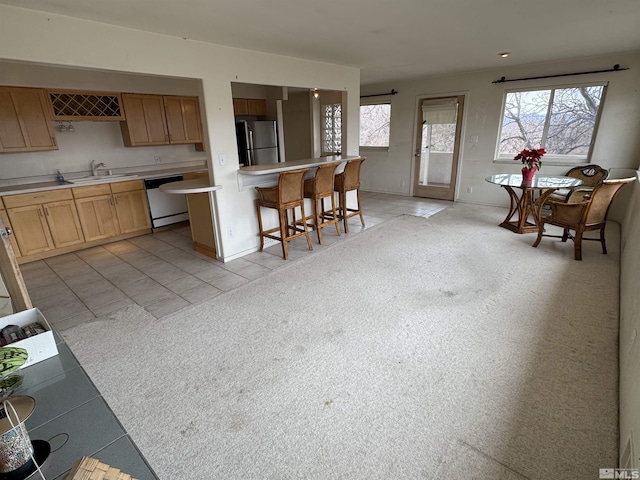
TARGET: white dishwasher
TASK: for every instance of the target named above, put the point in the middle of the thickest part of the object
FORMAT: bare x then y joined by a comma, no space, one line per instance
165,208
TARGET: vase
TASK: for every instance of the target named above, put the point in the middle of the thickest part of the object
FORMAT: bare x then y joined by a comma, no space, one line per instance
527,175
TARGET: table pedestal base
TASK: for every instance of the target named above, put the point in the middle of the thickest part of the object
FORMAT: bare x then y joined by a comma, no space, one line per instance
524,207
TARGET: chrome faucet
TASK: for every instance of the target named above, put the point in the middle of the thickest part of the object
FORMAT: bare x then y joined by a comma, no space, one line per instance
94,167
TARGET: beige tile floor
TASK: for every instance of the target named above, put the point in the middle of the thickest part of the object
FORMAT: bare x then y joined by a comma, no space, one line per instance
162,273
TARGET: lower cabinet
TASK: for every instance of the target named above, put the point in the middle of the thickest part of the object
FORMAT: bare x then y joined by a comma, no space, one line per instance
111,209
12,238
31,229
132,210
63,220
98,217
44,221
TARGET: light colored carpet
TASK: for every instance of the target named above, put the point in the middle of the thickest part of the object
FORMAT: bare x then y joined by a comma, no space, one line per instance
421,348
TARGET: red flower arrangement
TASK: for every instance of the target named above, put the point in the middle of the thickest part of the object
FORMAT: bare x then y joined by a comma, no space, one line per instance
531,158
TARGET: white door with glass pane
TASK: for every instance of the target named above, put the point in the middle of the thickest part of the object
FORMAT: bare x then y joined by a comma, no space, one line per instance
437,147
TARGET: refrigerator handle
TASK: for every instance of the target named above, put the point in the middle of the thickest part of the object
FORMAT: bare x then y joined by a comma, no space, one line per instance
249,157
250,139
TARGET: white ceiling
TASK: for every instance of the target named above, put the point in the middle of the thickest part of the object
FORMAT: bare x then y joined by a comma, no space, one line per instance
386,39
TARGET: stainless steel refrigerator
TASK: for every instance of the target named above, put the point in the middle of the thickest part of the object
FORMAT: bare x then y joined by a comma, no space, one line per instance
257,142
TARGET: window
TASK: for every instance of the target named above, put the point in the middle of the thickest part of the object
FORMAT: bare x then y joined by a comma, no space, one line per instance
374,125
332,128
560,120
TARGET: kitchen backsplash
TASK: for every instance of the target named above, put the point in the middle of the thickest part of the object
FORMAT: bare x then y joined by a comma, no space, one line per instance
99,141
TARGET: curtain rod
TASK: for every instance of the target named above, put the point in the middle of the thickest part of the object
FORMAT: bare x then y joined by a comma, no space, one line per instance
392,92
616,68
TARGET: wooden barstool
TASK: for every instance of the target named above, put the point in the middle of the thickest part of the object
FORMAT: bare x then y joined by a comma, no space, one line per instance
345,182
288,195
318,189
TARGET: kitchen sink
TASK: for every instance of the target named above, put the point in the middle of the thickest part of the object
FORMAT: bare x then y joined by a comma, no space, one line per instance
99,178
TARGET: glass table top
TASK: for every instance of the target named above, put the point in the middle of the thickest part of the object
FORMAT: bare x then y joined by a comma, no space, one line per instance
539,181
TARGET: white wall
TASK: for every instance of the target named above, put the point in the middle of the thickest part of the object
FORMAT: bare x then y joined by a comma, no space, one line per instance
617,143
52,39
630,325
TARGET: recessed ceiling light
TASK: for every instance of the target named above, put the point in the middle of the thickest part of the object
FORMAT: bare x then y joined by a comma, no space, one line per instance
504,54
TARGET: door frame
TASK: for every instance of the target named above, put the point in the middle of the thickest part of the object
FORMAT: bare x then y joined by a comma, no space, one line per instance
457,153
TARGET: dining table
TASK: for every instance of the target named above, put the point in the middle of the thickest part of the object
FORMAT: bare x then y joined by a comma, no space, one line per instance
527,198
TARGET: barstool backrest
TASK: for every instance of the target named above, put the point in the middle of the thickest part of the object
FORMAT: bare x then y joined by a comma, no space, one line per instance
351,174
324,178
291,185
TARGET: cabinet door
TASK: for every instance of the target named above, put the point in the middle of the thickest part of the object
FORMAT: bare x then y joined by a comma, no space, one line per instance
98,217
12,238
240,106
145,122
256,106
133,212
183,119
25,123
62,218
31,229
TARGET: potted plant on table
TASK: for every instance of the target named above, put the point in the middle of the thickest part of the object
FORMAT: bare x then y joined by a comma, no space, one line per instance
531,161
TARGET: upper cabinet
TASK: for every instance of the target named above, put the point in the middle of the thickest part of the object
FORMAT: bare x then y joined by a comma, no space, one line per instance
25,121
160,120
183,119
250,106
145,122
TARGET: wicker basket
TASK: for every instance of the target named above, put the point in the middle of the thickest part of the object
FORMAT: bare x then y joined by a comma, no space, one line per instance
88,468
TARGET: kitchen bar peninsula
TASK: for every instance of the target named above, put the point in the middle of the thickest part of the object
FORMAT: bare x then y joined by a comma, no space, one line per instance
266,175
200,203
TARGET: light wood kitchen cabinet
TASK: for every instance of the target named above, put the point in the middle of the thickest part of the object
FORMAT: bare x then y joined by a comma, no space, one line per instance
183,119
240,106
44,221
256,106
160,120
145,122
25,121
7,224
194,175
249,106
97,212
111,209
31,229
133,212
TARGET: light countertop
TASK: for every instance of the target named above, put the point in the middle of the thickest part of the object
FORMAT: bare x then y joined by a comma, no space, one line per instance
118,177
293,165
196,185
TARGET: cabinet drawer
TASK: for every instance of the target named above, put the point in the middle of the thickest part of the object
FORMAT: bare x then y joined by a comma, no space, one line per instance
194,175
91,190
127,186
37,198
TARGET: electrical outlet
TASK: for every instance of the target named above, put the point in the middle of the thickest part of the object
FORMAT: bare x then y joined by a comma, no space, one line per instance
230,233
469,189
222,159
157,158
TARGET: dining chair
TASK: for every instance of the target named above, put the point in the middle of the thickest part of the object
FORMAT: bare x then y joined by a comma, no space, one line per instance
591,175
346,181
318,189
285,197
589,214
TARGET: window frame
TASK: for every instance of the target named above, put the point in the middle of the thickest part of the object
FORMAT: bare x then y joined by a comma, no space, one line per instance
380,100
551,159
